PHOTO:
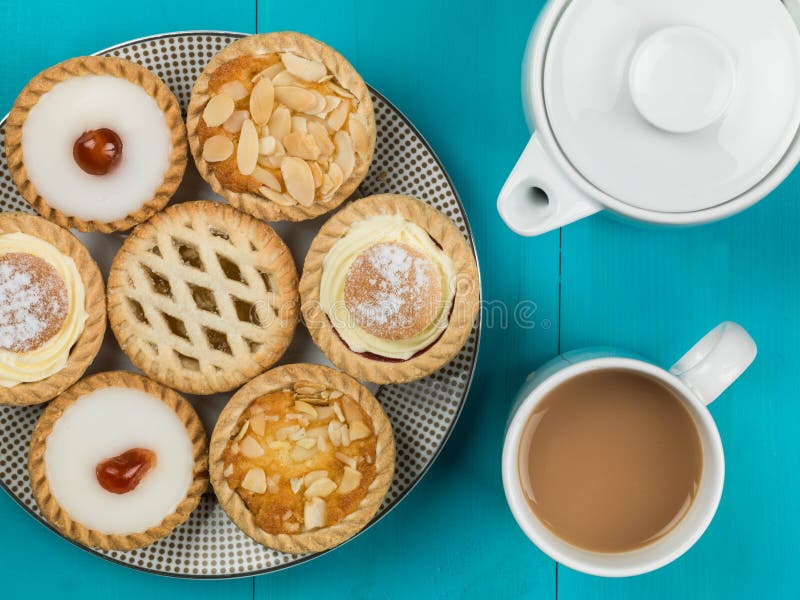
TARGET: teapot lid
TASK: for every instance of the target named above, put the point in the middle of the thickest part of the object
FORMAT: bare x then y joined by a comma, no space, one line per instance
673,106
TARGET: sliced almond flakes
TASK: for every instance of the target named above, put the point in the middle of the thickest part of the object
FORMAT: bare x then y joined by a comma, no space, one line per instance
303,68
247,150
255,480
301,145
235,89
217,148
280,124
265,177
345,157
350,480
298,180
262,100
296,98
234,122
218,109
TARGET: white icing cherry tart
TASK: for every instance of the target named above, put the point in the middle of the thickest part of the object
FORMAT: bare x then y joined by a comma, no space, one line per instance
96,143
118,461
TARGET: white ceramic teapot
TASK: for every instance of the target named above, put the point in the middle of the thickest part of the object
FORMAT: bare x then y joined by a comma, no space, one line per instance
676,112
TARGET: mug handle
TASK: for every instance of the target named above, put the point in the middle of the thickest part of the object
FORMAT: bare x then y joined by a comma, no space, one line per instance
716,361
538,197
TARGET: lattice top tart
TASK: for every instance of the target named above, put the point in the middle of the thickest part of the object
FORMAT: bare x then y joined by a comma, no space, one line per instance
282,126
390,289
96,143
302,457
203,297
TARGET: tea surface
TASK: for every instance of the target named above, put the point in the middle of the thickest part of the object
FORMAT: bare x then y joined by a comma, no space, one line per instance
611,460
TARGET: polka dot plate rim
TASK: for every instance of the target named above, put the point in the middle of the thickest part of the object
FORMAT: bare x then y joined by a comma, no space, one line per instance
423,413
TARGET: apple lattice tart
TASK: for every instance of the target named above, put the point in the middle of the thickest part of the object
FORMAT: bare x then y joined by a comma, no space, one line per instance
203,297
281,126
302,457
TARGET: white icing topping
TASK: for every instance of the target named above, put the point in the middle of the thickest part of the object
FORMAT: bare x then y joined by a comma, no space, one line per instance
81,104
104,424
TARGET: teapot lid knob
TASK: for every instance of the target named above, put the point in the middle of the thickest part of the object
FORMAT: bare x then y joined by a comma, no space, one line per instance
681,79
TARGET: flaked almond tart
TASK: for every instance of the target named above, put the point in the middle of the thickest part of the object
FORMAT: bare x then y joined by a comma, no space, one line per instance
281,126
302,457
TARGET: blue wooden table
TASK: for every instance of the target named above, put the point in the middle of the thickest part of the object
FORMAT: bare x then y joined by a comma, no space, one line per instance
453,68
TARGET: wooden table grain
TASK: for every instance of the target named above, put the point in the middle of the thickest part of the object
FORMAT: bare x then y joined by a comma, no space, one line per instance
453,67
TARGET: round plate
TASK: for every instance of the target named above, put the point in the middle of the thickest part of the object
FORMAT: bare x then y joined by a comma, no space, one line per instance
423,413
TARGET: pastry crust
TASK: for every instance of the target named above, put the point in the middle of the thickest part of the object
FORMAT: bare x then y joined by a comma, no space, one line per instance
151,344
308,47
88,344
282,378
59,517
96,65
465,304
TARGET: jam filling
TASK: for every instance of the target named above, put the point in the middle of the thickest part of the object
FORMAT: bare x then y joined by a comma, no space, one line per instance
123,473
98,151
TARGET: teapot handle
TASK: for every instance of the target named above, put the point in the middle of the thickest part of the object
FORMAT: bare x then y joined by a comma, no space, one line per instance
538,197
716,361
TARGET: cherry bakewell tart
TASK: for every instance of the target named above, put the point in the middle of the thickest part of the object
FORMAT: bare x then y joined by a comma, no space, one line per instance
203,297
96,143
118,461
301,458
390,289
281,126
52,309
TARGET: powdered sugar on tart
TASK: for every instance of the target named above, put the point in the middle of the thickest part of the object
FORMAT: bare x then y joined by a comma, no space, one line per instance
33,301
387,288
92,103
107,423
42,308
392,290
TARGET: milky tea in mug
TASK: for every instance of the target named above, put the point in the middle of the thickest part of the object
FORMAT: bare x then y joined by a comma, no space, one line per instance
610,460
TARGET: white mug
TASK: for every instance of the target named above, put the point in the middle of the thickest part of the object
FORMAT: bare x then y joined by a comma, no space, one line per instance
698,379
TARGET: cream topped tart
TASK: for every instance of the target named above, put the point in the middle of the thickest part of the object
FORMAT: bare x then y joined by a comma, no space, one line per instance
387,288
50,296
281,126
96,143
390,289
302,457
118,461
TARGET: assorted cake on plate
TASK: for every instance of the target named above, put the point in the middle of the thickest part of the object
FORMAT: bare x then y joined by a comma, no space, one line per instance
204,297
52,309
281,126
118,461
96,143
389,289
302,457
